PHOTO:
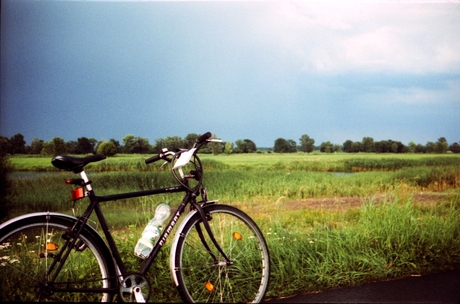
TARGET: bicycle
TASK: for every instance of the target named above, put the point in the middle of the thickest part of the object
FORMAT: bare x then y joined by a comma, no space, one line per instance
218,253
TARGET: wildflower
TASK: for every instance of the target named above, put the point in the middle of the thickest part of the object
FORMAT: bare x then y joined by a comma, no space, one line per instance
4,245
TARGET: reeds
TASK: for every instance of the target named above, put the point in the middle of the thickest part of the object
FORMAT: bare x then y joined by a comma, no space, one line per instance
388,240
311,249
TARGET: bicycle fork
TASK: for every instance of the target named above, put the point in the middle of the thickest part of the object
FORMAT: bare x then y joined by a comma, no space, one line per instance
205,220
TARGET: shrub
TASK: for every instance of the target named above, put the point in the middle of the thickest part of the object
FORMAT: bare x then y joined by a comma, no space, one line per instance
107,148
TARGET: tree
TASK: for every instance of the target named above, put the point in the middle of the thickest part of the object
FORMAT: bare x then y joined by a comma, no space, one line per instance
55,147
249,146
5,146
36,146
281,146
347,146
190,140
382,146
107,148
430,147
412,146
239,146
356,146
116,144
441,145
455,147
245,146
368,144
173,143
71,147
328,147
389,146
18,145
141,145
306,143
128,143
228,148
216,147
292,146
84,146
93,142
420,148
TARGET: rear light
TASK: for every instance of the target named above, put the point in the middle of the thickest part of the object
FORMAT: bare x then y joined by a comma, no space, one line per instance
78,194
74,181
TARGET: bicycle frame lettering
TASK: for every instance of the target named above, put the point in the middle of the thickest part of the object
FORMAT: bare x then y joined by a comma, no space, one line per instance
170,227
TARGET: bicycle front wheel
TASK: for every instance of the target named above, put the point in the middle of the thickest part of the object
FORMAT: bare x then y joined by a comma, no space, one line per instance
202,273
30,244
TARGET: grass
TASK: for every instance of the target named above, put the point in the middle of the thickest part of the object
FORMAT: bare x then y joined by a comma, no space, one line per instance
382,241
311,249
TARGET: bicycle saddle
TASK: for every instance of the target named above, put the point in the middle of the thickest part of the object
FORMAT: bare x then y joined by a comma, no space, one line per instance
75,164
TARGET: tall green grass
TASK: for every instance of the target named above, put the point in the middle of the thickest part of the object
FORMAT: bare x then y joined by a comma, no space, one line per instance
315,250
388,240
311,249
342,162
240,187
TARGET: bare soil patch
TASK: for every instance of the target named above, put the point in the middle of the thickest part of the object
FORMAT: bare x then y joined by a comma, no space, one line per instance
343,203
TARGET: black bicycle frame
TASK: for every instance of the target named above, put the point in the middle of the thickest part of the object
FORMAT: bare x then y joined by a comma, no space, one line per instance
95,200
71,236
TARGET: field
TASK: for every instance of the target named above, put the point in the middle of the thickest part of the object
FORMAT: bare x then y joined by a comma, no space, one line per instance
330,220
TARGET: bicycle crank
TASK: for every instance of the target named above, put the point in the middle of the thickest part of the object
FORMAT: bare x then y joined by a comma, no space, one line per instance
135,288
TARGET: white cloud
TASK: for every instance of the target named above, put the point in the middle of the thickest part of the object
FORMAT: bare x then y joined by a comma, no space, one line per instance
357,36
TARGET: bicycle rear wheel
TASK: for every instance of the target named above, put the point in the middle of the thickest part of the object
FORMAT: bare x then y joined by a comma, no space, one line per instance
29,245
201,278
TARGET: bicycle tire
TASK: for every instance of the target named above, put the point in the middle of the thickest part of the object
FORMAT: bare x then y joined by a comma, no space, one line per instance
26,250
201,279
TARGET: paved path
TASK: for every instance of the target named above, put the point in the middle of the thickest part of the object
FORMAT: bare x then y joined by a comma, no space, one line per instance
432,288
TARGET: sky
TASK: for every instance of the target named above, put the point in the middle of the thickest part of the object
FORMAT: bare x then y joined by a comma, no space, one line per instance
258,70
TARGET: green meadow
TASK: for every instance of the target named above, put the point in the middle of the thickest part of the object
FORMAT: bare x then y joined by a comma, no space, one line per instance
313,247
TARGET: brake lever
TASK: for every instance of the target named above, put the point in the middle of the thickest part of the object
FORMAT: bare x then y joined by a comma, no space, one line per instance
167,160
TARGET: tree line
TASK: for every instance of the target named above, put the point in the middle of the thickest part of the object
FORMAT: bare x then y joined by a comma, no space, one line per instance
137,144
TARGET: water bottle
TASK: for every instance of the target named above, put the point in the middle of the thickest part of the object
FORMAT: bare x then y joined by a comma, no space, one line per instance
152,231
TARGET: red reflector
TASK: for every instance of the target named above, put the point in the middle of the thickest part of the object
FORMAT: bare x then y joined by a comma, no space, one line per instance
78,193
74,181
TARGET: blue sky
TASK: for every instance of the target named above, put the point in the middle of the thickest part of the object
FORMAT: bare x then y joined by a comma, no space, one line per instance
259,70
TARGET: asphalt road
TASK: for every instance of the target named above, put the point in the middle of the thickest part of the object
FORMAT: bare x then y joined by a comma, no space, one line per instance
432,288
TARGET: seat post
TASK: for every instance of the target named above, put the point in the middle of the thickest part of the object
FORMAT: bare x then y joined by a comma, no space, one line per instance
86,180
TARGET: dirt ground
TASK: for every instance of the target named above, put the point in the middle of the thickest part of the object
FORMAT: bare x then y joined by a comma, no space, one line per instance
340,203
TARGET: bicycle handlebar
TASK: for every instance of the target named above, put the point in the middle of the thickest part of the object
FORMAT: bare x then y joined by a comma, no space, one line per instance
153,158
203,138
